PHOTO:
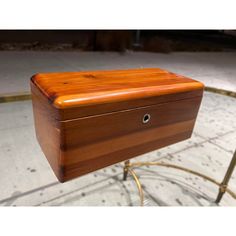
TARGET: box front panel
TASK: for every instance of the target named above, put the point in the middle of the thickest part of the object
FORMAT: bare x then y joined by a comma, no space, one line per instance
95,142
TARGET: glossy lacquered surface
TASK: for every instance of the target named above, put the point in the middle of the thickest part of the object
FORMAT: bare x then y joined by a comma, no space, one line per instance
85,121
78,89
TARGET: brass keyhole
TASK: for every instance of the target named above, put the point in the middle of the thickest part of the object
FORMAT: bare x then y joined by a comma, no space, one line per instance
146,118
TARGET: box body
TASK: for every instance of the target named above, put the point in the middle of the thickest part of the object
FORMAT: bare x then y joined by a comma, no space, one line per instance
85,121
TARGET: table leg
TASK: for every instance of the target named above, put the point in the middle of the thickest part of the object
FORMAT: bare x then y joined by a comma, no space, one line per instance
126,169
224,184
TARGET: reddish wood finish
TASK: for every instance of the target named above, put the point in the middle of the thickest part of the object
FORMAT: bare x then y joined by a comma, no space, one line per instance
88,120
80,94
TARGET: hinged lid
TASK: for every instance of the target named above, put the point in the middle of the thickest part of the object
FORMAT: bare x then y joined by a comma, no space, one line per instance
79,94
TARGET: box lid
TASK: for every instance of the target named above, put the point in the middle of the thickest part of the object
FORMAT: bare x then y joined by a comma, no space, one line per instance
79,94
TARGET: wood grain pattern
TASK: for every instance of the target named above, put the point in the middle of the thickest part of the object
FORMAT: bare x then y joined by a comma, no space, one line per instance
90,165
85,121
47,130
94,91
80,132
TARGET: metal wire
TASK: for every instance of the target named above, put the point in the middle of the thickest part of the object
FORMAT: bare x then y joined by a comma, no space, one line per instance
129,169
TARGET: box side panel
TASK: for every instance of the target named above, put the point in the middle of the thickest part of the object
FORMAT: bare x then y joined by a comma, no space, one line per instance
98,141
47,131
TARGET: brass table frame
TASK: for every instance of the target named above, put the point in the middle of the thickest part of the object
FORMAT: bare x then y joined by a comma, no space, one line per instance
223,186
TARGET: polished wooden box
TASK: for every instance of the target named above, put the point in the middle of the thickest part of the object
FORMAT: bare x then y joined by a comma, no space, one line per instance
85,121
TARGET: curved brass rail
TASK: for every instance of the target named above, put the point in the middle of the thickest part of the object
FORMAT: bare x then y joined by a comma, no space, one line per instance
128,165
139,186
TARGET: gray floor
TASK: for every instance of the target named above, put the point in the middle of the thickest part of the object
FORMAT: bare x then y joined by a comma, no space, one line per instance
26,178
216,69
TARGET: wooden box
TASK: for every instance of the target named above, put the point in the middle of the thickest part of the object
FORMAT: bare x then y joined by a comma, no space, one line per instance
85,121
